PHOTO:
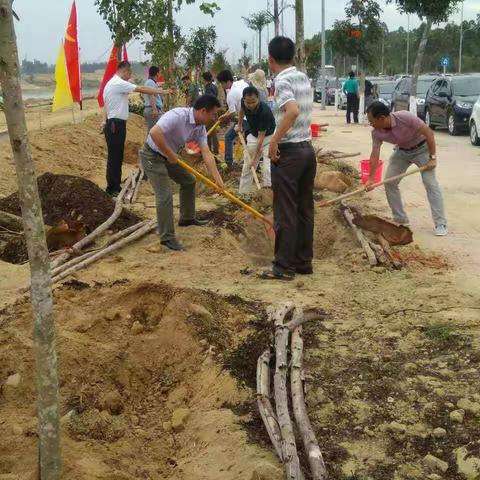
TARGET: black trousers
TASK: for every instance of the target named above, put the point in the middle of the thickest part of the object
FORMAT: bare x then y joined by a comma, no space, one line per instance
293,176
115,134
353,104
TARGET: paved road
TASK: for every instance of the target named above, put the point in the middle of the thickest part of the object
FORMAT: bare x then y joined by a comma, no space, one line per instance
459,176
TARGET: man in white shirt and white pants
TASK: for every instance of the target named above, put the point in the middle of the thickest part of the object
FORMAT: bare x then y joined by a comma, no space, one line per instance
115,115
234,102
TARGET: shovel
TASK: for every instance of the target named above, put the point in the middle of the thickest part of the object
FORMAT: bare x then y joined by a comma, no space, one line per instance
217,123
384,182
268,223
249,159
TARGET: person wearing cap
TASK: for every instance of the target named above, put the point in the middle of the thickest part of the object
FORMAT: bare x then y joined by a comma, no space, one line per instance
414,144
262,126
258,80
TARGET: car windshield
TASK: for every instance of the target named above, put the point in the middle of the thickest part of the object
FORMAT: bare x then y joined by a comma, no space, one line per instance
423,86
467,87
386,88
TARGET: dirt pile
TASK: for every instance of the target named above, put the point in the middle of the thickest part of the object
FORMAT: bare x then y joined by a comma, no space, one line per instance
143,390
69,198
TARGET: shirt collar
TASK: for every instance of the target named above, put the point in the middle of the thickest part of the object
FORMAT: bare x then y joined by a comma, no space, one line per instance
289,69
191,117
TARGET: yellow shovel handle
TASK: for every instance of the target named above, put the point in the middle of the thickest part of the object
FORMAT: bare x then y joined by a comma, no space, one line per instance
216,125
225,193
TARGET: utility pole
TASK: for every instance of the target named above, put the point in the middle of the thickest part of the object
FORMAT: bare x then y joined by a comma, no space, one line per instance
408,41
383,51
461,42
282,22
324,71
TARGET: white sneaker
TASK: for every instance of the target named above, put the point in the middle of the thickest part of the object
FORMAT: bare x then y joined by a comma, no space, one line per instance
441,230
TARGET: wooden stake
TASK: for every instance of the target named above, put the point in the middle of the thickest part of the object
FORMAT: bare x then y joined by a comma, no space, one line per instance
289,447
310,443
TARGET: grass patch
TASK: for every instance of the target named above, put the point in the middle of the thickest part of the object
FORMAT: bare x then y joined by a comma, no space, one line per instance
440,331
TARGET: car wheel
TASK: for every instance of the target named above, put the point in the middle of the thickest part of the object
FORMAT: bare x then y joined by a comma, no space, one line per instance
428,120
474,134
452,128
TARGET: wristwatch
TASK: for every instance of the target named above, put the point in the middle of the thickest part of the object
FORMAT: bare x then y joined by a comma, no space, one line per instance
433,157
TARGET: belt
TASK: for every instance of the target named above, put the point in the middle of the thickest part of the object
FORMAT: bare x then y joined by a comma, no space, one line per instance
289,145
423,142
155,152
116,120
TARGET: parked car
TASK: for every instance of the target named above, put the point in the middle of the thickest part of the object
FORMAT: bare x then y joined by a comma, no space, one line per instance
449,102
475,124
384,91
332,84
403,90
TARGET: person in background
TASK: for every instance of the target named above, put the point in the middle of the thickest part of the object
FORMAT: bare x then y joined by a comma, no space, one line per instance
262,125
159,160
114,125
258,80
234,91
350,89
294,165
209,88
414,144
369,98
190,90
153,103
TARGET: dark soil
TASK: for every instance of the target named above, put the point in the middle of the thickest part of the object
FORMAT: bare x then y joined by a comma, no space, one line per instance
69,198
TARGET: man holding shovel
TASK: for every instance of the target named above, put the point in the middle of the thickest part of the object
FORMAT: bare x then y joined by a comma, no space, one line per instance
415,144
159,160
262,125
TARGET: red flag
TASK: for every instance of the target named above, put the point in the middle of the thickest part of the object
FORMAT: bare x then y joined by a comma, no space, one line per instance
110,70
125,54
72,57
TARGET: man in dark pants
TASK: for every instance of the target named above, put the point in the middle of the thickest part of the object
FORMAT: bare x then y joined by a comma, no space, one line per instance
293,165
350,88
211,89
115,115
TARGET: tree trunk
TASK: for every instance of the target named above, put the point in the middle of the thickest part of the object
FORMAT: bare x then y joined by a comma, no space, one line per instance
41,292
259,46
300,35
418,65
276,18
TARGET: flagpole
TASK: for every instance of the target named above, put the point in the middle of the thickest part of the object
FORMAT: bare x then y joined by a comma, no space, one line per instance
79,66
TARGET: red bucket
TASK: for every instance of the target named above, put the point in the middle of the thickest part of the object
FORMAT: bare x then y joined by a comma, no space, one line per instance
365,168
315,128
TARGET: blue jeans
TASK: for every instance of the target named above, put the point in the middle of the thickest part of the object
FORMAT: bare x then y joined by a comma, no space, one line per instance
229,140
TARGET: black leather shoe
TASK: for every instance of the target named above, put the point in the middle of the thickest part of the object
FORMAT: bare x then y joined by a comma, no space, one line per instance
304,270
173,245
195,221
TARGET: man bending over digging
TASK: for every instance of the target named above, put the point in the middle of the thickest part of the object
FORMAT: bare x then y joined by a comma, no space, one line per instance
159,160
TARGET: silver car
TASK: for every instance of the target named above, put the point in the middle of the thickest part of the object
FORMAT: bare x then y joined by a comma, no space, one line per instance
474,124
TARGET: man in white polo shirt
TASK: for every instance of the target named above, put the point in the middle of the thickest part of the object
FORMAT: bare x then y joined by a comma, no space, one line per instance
115,115
234,102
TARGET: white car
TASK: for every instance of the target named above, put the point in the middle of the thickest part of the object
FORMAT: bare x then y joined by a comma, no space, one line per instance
475,124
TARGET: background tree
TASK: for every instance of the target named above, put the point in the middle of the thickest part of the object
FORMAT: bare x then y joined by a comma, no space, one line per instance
275,16
41,284
219,62
199,46
299,35
257,22
433,12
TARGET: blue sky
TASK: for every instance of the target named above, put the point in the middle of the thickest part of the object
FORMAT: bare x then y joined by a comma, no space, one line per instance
43,23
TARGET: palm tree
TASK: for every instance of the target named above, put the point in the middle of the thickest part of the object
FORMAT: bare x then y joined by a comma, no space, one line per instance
257,22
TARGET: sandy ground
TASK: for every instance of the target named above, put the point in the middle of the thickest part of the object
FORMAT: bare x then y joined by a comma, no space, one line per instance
148,337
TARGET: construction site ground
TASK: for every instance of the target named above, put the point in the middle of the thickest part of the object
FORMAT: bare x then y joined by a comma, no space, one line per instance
158,350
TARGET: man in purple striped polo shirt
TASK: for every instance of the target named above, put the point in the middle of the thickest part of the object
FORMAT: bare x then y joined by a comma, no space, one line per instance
415,144
159,160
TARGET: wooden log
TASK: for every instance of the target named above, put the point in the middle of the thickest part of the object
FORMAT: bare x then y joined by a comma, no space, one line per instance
310,443
133,185
11,222
297,321
106,251
110,241
100,229
347,213
264,405
289,446
137,187
379,253
397,264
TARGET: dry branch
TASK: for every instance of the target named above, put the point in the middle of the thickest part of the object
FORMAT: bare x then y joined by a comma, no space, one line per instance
307,316
314,455
106,251
264,405
11,222
100,229
388,252
137,187
289,447
372,259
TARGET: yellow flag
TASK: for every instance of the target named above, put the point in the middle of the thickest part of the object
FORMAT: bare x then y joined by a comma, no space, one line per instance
63,96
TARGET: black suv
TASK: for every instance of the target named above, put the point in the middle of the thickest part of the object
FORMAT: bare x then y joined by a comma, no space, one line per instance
449,102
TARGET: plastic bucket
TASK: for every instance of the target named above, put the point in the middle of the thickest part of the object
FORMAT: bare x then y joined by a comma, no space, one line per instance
365,169
315,128
221,147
